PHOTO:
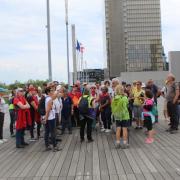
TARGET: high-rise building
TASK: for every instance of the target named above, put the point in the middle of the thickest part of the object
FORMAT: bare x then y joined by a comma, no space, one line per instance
133,36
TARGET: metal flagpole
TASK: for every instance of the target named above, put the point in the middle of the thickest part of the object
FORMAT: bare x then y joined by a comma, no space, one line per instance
67,39
49,41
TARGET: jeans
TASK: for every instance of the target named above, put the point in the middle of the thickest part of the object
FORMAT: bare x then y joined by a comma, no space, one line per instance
50,128
1,124
66,123
12,121
106,118
173,114
83,122
32,128
19,137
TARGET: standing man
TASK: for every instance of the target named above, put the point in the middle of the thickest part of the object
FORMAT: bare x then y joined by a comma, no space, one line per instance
172,103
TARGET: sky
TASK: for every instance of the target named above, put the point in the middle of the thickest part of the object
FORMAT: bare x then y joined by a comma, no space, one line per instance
23,36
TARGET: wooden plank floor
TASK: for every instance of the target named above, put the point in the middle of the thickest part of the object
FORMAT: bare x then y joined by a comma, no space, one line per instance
94,161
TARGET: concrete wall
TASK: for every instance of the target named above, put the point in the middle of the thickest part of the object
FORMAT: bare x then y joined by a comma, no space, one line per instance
158,76
174,63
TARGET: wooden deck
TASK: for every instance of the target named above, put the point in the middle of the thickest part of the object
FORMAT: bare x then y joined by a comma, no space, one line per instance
94,161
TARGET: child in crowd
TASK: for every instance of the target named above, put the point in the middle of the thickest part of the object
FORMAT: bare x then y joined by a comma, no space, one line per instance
121,114
148,116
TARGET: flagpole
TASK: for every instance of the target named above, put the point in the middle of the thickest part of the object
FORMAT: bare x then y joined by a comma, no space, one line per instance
49,41
67,39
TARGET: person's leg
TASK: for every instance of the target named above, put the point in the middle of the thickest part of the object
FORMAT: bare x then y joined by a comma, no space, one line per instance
1,124
118,133
69,124
32,129
52,125
12,119
38,129
103,118
89,128
82,127
22,137
108,118
18,140
46,135
169,108
63,121
175,117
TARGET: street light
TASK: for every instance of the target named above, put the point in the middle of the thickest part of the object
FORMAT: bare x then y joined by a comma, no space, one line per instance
67,38
49,42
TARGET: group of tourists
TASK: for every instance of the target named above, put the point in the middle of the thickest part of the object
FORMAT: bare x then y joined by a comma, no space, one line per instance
54,108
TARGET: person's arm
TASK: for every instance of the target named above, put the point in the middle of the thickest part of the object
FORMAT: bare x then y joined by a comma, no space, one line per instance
176,96
34,105
106,103
48,109
22,106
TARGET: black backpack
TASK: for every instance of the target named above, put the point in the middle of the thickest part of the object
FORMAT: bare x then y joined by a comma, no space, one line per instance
84,105
41,106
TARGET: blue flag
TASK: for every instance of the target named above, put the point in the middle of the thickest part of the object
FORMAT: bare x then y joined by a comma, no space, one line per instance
78,47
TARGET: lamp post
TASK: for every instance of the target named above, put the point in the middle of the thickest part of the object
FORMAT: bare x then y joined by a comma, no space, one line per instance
49,41
67,38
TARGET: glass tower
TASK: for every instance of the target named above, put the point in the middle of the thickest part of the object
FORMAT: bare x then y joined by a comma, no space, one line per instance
133,36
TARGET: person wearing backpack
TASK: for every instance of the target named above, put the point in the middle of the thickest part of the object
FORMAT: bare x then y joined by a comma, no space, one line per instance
121,114
85,103
148,115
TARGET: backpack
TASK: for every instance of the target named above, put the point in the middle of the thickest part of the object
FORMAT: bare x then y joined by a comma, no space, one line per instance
41,106
84,105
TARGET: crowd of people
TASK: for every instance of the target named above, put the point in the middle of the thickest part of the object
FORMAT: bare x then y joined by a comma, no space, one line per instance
54,108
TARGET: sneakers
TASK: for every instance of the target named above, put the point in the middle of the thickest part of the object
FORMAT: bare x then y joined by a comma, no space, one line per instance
55,149
149,140
48,148
107,130
90,140
33,140
4,140
13,135
19,146
125,146
117,145
103,130
1,141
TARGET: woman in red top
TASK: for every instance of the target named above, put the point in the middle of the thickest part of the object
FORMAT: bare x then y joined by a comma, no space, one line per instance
22,117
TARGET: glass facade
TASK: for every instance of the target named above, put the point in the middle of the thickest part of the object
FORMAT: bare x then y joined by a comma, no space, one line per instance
141,33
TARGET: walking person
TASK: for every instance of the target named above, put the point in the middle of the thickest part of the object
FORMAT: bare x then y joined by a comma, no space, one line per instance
121,114
2,115
172,103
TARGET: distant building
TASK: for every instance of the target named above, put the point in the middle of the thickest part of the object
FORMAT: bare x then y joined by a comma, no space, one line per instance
133,36
91,75
174,63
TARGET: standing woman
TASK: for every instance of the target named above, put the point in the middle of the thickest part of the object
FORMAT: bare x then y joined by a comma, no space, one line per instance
2,114
22,117
50,119
105,109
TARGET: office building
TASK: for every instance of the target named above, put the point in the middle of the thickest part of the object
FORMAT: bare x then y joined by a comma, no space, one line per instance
133,36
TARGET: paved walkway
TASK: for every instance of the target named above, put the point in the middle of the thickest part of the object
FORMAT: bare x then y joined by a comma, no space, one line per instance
95,161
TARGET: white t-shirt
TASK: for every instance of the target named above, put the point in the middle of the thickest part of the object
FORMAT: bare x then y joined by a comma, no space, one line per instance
52,111
58,105
2,105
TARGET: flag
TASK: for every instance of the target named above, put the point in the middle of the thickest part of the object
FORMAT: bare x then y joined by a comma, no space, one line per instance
82,48
78,47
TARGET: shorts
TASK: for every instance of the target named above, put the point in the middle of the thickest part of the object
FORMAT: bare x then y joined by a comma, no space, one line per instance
123,123
148,123
137,111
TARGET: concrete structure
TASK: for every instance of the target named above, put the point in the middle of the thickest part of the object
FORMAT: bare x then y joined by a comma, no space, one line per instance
133,36
174,63
158,77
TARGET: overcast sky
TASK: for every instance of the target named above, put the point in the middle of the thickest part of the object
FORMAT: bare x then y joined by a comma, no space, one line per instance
23,41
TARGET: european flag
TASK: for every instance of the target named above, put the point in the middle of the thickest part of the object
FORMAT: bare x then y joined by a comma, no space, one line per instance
78,47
